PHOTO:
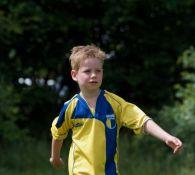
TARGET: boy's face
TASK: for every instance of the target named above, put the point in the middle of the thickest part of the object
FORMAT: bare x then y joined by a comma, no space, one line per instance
90,74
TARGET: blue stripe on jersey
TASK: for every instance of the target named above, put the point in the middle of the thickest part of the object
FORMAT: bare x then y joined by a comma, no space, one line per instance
81,109
103,108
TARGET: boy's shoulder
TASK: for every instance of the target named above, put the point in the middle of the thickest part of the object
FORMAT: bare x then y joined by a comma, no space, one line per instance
114,97
68,105
67,102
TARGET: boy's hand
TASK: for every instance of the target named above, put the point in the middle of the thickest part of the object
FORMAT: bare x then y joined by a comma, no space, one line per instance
57,163
174,143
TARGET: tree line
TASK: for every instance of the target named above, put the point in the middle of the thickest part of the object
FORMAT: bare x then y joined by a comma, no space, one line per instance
150,60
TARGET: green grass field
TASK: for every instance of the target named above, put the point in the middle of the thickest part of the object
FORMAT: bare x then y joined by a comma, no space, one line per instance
31,158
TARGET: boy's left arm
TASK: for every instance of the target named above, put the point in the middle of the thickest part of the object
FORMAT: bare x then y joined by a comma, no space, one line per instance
153,129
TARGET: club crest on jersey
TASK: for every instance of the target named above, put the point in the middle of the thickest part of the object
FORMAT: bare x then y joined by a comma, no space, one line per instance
110,121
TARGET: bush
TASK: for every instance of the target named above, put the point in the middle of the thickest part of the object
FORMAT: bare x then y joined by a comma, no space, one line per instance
9,113
180,117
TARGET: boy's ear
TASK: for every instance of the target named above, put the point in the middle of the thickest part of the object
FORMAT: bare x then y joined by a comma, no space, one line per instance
74,75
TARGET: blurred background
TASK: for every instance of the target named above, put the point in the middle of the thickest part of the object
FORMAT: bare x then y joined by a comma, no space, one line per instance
150,62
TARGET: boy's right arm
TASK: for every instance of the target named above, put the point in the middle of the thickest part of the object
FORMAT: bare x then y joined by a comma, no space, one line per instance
55,158
59,131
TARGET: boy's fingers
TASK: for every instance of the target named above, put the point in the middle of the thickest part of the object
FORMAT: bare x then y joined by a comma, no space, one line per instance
175,144
57,164
171,144
177,149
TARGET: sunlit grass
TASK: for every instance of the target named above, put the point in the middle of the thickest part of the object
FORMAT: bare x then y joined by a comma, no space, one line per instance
29,158
148,156
141,156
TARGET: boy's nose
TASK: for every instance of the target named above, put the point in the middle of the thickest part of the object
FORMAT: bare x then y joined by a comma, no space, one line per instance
93,74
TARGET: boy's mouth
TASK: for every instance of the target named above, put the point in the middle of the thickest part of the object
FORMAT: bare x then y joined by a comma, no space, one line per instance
93,82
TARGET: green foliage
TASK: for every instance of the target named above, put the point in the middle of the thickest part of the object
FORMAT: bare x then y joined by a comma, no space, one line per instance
39,109
144,36
140,36
180,117
9,113
142,39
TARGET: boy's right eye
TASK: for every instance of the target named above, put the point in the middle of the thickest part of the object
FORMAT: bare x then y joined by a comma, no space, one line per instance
86,71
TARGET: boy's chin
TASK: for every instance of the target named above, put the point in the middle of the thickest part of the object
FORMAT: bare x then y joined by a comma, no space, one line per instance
94,88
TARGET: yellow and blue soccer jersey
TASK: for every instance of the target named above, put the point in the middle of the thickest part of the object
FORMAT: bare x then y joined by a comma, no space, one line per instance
94,148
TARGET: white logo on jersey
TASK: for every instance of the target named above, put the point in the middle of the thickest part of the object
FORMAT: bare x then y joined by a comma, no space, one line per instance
110,121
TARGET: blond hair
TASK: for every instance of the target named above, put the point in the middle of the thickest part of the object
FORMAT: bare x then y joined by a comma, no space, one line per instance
80,53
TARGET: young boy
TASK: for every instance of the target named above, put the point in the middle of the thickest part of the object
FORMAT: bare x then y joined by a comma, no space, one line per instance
95,117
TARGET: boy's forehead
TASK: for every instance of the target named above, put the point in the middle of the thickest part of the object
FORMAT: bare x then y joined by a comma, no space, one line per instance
91,62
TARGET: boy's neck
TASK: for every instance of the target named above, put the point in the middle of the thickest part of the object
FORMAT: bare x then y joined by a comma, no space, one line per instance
90,95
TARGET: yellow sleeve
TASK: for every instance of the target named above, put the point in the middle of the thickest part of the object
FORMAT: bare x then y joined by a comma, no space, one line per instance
62,124
59,133
132,117
128,114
